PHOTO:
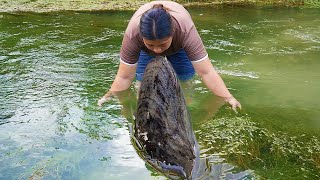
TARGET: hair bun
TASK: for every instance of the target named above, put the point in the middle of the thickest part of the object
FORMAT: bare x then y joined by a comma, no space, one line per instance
158,6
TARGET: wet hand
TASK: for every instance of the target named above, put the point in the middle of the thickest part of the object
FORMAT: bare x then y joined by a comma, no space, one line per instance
104,98
235,104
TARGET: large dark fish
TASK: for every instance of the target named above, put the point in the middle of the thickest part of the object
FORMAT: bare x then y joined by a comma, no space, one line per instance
162,130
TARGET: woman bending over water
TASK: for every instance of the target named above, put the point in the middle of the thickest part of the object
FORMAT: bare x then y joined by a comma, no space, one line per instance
165,28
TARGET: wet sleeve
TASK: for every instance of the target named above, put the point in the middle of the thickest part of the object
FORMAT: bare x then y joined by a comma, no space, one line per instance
130,50
193,45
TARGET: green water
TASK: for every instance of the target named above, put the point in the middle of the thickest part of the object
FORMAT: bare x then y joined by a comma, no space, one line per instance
55,66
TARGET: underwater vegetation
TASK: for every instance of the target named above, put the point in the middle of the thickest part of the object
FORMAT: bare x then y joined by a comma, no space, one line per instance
273,155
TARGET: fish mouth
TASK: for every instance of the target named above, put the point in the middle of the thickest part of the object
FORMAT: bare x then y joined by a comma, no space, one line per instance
172,171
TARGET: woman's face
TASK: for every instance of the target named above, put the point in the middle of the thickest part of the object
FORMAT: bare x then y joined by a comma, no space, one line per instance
158,46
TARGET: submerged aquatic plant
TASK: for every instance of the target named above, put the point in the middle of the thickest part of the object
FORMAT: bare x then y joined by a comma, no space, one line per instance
242,142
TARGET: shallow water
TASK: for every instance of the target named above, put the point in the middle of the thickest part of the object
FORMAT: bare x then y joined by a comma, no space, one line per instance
54,67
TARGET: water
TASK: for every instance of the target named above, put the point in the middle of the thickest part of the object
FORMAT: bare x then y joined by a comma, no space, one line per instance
55,66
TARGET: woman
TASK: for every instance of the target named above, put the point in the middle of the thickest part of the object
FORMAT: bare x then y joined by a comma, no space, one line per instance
165,28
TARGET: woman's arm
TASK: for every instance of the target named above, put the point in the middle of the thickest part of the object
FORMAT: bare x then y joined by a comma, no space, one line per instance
213,81
122,81
124,77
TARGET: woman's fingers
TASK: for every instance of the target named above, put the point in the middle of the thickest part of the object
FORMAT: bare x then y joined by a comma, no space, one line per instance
104,98
235,104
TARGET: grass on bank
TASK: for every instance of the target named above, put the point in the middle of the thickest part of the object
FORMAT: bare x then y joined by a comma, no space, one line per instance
94,5
301,3
295,3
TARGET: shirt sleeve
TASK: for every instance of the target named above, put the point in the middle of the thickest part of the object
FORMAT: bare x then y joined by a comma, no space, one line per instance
130,50
193,45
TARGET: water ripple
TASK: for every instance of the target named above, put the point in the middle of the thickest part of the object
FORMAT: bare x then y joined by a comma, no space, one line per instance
303,35
252,75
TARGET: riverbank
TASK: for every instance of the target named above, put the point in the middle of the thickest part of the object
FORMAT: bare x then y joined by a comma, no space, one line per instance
99,5
67,5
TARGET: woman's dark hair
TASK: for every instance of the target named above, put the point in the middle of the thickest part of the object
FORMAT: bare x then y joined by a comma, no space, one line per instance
156,23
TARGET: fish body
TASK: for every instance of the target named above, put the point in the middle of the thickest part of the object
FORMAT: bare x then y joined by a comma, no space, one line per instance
162,128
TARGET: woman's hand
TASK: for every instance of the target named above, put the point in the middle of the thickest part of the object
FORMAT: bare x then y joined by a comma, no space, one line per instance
104,98
233,103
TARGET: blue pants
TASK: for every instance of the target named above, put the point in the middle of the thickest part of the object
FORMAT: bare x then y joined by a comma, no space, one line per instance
179,61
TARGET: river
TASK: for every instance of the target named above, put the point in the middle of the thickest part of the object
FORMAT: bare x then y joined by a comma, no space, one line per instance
55,66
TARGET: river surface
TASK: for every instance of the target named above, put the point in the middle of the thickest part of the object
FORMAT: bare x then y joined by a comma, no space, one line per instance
55,66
